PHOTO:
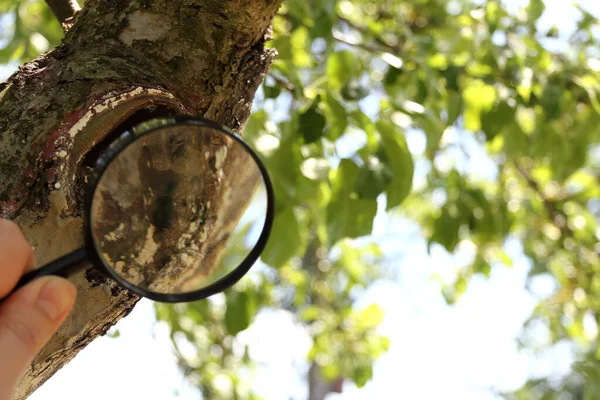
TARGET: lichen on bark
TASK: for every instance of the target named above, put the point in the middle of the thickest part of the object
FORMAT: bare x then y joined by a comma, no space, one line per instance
205,58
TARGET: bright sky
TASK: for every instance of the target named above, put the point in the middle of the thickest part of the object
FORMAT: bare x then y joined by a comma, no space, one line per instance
436,351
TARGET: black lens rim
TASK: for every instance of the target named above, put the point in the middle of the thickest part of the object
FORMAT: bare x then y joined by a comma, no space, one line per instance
119,145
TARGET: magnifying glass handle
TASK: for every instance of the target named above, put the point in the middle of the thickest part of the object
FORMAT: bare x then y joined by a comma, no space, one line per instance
61,267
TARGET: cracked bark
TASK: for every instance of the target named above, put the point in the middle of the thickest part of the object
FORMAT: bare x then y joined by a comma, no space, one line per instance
120,56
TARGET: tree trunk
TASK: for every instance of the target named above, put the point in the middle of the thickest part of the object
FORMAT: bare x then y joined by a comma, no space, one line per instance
319,387
203,57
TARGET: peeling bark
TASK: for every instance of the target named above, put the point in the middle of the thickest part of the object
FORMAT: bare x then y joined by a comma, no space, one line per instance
199,57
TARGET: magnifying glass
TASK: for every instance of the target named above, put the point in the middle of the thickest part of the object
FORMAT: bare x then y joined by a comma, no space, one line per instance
177,209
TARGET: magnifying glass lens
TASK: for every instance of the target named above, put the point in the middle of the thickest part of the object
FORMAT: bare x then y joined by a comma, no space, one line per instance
178,209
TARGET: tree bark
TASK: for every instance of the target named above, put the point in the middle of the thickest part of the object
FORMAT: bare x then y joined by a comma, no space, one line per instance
63,10
319,387
201,57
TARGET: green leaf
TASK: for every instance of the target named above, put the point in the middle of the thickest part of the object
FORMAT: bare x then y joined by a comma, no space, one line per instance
504,258
341,67
241,308
476,209
492,14
323,25
310,313
272,92
481,266
535,10
362,375
347,214
330,371
373,178
282,165
370,317
336,116
515,140
255,126
392,81
286,239
6,5
496,119
362,121
445,230
451,74
351,261
300,45
551,101
478,98
312,123
454,107
434,130
400,161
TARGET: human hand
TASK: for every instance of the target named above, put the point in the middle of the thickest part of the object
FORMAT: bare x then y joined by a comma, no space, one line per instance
31,315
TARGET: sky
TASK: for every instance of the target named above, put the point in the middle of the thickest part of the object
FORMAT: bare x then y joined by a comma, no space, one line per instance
436,351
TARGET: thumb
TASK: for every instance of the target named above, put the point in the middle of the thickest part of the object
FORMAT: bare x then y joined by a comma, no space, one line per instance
28,319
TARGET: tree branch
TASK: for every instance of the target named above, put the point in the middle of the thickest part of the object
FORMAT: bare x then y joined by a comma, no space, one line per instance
343,38
380,40
64,10
381,46
283,83
558,218
387,56
120,57
319,387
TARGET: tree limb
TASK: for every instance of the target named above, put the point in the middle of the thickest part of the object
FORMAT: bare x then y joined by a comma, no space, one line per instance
343,38
319,387
392,59
64,10
287,85
120,57
394,48
557,217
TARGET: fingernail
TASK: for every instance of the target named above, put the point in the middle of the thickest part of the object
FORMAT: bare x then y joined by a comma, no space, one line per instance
56,297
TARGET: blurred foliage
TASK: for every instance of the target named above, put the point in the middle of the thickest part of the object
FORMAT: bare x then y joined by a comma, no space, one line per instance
27,28
355,83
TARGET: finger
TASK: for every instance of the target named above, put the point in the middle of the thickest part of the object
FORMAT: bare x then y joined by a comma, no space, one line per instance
16,255
32,263
28,319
